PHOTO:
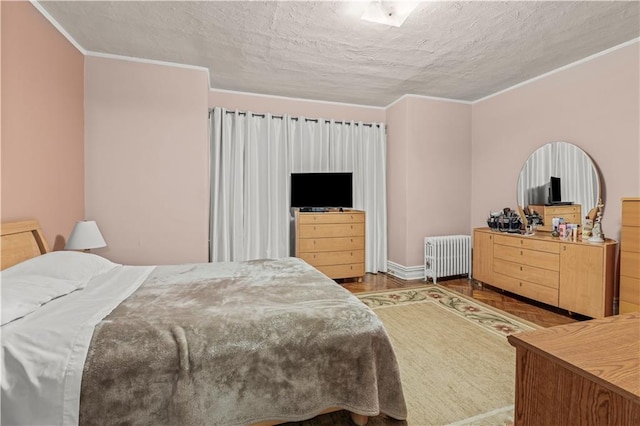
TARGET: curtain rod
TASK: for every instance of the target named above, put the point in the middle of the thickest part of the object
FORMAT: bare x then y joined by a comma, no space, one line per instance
315,120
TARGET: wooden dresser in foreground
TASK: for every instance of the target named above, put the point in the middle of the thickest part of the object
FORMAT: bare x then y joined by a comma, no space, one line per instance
585,373
333,242
630,256
573,275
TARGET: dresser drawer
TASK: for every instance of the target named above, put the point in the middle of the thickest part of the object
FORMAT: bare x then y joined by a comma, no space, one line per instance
630,290
343,271
562,211
630,264
531,274
571,218
329,244
631,212
330,217
528,243
524,288
323,258
630,239
539,259
331,230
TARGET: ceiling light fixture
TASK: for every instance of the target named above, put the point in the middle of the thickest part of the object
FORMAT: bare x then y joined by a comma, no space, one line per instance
392,13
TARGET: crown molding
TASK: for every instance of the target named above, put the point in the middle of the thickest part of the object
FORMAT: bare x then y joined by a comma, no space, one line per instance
57,26
432,98
562,68
315,101
147,61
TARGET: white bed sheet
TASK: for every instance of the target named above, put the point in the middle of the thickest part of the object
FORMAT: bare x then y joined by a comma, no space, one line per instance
43,354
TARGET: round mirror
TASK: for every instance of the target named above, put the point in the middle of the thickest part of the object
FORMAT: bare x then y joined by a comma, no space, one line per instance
559,174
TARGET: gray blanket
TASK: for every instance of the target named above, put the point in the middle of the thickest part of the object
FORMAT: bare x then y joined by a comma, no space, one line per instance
238,343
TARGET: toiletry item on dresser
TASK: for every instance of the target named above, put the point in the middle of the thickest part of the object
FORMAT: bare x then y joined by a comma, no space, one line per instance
587,227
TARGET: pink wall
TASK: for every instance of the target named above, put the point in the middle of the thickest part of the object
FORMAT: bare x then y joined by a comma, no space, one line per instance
295,107
147,177
431,167
42,123
397,179
594,105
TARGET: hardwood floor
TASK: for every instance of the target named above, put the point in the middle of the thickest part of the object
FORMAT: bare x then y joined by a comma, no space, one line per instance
537,313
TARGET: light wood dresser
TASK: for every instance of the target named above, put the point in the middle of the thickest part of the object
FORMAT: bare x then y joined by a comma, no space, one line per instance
584,373
576,276
630,256
571,214
333,242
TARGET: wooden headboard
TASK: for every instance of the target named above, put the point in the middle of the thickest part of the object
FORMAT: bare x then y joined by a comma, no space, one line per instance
20,241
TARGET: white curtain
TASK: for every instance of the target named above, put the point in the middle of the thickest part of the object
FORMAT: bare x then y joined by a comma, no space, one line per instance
249,215
253,177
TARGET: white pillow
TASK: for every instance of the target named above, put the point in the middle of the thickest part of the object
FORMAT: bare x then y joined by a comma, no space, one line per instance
23,294
66,265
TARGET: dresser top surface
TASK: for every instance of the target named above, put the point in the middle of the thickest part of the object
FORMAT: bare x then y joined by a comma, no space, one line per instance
545,236
606,349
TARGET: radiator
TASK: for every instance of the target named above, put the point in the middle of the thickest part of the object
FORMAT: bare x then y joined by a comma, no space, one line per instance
446,256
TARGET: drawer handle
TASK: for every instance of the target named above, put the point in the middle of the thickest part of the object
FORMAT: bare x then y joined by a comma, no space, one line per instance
351,226
352,240
521,253
521,242
520,284
521,268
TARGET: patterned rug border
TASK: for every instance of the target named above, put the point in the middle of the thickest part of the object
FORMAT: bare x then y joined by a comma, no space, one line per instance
417,286
481,314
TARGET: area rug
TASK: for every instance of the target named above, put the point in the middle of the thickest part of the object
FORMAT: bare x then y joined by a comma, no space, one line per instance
456,365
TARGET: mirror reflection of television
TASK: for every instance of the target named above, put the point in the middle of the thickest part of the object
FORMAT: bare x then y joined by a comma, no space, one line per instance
555,193
322,190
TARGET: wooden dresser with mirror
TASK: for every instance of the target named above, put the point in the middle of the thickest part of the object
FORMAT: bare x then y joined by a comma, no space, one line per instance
575,275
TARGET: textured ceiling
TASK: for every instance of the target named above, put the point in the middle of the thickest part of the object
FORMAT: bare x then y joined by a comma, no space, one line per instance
323,51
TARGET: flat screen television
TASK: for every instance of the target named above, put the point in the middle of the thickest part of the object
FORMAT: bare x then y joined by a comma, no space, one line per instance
555,193
322,190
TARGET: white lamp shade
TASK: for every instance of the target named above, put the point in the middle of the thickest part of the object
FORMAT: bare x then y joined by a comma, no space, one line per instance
85,236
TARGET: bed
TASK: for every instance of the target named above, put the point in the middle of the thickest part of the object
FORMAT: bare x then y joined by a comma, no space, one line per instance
258,342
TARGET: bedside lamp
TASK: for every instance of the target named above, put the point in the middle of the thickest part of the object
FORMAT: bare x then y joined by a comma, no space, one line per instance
85,236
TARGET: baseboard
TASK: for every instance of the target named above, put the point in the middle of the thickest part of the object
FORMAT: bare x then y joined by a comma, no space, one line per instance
405,272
